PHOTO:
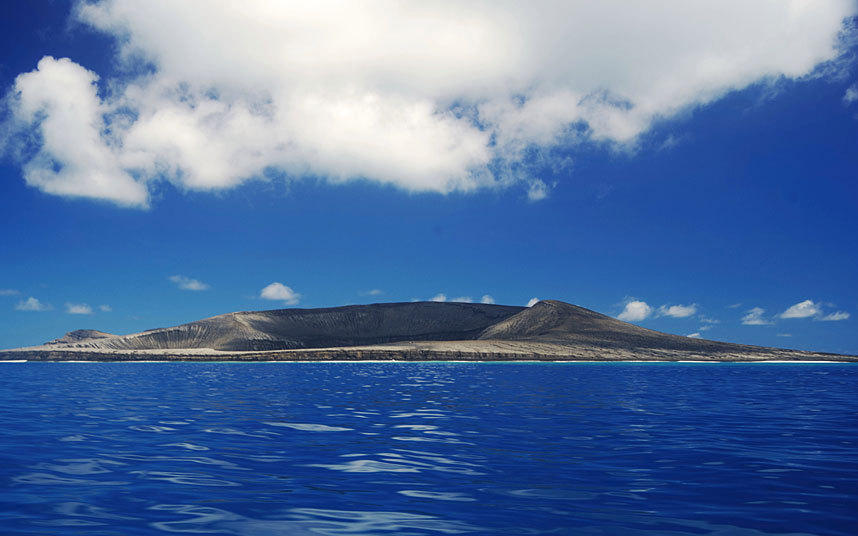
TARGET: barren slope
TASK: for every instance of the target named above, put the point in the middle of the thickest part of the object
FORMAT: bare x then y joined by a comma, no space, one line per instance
552,321
550,330
314,328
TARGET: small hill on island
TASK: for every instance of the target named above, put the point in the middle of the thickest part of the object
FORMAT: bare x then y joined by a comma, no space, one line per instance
552,321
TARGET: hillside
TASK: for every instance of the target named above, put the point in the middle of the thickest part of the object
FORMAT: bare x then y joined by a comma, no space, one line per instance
283,329
550,330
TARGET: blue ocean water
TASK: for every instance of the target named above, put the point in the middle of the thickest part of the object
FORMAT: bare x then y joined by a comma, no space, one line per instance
428,448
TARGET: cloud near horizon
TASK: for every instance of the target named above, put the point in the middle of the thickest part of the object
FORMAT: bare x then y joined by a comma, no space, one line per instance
427,97
635,311
280,292
32,304
678,311
188,283
78,309
754,317
811,309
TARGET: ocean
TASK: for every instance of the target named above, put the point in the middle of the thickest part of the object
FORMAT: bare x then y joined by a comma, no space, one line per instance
428,448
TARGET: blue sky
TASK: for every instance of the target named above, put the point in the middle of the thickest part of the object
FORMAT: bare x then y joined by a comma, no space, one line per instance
686,205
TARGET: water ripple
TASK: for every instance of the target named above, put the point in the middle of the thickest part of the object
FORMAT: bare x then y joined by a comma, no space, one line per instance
428,448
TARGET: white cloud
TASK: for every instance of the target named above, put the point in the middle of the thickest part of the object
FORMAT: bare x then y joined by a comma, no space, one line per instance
8,292
851,94
678,311
280,292
804,309
833,317
784,334
709,320
734,305
187,283
78,309
537,191
754,317
424,96
462,299
74,158
440,297
373,292
694,335
105,308
532,301
635,311
487,299
32,304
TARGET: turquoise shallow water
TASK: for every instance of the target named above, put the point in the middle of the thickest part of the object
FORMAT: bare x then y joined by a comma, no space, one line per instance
428,448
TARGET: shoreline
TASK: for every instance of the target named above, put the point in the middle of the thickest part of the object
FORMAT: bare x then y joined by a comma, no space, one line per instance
425,361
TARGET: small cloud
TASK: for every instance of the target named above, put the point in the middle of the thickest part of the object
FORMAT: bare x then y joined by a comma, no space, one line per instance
803,309
537,191
851,94
784,334
532,302
78,309
704,328
487,299
105,308
187,283
669,143
754,317
280,292
734,306
833,317
440,297
694,335
462,299
8,292
635,311
708,320
678,311
373,292
32,304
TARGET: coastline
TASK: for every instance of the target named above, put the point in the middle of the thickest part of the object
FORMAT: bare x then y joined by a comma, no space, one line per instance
423,352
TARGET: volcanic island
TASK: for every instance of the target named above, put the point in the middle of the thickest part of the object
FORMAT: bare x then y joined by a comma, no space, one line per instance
550,330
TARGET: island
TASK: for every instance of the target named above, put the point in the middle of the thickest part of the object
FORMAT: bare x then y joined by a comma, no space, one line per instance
550,330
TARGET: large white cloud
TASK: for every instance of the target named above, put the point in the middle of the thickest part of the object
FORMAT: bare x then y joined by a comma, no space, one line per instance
427,96
75,158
